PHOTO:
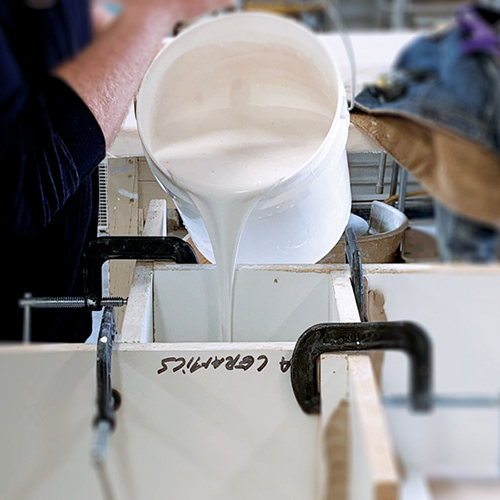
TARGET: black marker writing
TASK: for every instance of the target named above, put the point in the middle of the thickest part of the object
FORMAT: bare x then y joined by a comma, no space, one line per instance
236,362
264,363
245,363
285,364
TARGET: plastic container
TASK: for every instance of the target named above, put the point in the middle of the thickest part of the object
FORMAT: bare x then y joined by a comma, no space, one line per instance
303,217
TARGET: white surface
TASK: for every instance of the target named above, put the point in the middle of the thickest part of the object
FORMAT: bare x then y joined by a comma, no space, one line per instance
458,307
448,443
270,305
414,487
460,310
213,433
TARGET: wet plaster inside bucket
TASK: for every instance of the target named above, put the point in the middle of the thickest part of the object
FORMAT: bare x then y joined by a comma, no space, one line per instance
249,119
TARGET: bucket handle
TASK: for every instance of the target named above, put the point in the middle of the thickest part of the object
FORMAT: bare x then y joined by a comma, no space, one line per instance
334,15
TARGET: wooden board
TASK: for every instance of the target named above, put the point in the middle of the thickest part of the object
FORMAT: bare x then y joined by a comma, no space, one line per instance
125,216
137,324
359,460
465,490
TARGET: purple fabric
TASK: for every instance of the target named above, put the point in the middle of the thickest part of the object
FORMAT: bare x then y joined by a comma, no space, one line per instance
480,34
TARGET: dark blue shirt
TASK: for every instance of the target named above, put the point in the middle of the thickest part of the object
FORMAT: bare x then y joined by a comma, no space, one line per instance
50,146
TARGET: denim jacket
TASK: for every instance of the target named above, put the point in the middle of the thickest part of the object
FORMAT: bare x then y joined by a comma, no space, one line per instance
448,79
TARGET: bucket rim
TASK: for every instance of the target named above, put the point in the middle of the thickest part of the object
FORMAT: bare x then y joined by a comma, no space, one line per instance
340,104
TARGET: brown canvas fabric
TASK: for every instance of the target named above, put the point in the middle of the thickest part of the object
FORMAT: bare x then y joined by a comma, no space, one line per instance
458,173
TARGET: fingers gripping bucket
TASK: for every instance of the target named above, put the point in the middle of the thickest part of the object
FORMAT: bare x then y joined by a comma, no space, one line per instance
304,215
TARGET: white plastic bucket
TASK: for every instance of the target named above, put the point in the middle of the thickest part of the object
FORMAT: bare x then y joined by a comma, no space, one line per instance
303,217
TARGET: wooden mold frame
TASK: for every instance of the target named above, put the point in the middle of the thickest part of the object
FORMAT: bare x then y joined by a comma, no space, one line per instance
209,419
138,328
358,461
132,186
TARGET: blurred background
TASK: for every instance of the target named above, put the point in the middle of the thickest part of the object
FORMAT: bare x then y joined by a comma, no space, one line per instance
366,37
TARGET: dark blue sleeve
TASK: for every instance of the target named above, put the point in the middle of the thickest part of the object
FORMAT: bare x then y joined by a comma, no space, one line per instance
49,143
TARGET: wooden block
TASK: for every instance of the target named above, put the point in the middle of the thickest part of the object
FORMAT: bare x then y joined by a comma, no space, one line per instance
137,324
374,466
360,463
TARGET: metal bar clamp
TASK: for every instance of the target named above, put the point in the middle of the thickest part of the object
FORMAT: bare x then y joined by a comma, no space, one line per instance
353,257
340,337
108,400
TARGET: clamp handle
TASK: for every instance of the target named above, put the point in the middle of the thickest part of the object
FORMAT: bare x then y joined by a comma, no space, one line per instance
104,248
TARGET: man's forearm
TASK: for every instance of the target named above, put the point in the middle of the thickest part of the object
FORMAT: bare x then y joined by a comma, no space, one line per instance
108,73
